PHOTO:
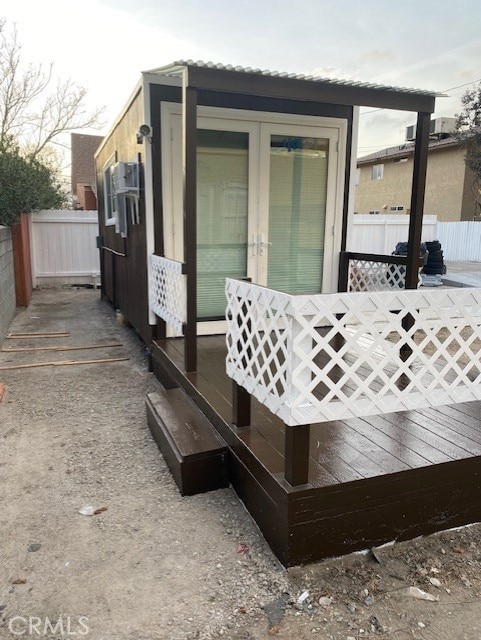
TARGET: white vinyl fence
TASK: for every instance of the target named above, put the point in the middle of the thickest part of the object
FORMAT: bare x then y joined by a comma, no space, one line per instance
380,234
460,240
63,247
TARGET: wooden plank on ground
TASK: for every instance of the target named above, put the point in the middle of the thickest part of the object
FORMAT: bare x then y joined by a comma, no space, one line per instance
64,363
34,336
69,348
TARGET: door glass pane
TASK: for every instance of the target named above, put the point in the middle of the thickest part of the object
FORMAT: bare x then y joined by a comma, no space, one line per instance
222,173
297,213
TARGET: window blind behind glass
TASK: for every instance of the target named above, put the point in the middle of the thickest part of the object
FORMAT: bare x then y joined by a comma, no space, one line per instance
297,213
222,175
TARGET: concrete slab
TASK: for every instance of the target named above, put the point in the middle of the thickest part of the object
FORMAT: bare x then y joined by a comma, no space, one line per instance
462,274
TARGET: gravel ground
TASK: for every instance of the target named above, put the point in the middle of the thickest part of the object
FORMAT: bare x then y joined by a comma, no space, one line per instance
153,565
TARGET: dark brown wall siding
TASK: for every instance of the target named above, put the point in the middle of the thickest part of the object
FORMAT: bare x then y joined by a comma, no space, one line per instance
125,278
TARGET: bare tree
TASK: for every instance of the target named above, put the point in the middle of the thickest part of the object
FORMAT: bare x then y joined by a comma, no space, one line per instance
30,112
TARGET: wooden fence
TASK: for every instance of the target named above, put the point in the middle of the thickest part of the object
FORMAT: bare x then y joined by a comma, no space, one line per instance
63,247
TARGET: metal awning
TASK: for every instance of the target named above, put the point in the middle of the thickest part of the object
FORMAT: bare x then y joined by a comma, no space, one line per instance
245,80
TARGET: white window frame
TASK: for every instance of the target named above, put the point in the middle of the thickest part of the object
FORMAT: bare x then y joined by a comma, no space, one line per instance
377,172
110,212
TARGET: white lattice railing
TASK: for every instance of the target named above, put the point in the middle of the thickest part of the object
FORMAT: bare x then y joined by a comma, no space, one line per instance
376,273
324,357
167,291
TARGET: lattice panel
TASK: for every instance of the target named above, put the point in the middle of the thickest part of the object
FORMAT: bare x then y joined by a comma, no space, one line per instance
370,275
167,290
326,357
258,351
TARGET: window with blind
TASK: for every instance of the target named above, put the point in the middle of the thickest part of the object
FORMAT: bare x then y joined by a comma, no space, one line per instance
297,213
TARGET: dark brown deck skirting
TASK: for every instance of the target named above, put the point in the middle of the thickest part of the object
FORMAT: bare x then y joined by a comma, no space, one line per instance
371,480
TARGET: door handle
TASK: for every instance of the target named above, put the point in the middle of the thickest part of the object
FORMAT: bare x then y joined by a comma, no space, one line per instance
263,244
254,244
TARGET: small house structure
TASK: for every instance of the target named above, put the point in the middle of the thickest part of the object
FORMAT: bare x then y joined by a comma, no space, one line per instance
313,380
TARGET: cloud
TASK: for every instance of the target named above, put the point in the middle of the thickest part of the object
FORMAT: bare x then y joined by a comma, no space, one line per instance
375,55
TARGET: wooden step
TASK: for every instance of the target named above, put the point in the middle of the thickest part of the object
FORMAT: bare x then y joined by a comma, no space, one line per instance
194,452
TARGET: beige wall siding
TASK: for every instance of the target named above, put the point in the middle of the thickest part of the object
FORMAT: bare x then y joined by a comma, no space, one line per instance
469,208
393,190
122,141
445,184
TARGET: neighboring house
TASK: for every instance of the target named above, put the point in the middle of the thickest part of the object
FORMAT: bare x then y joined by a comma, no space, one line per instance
84,188
221,187
384,181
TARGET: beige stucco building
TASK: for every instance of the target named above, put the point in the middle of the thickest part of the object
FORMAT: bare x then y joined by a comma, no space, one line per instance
384,181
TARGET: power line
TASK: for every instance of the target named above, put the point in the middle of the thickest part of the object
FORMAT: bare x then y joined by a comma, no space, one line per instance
462,85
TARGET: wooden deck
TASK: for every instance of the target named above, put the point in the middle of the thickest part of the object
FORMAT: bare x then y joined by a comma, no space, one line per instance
371,480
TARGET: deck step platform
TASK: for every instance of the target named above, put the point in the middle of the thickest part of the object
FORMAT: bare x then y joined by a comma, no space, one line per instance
194,452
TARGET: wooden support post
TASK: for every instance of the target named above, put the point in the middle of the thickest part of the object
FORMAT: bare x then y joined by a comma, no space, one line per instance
22,265
241,399
417,199
297,438
343,278
189,112
297,454
416,215
241,406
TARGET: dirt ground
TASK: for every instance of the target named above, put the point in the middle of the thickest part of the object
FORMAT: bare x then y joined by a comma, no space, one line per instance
153,565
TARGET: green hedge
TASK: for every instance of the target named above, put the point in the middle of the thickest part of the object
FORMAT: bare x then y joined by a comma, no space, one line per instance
26,185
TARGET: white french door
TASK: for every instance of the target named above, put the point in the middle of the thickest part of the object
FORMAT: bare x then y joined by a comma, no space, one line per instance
267,195
297,198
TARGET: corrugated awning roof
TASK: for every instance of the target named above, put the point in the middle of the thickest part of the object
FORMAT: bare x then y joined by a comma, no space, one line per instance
177,68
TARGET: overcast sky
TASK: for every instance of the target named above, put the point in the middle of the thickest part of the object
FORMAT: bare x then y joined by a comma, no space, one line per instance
105,44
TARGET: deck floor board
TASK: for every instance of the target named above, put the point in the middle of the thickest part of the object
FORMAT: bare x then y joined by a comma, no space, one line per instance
347,450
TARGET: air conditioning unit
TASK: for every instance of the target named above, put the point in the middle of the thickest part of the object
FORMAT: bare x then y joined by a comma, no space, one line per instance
440,126
411,132
126,177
